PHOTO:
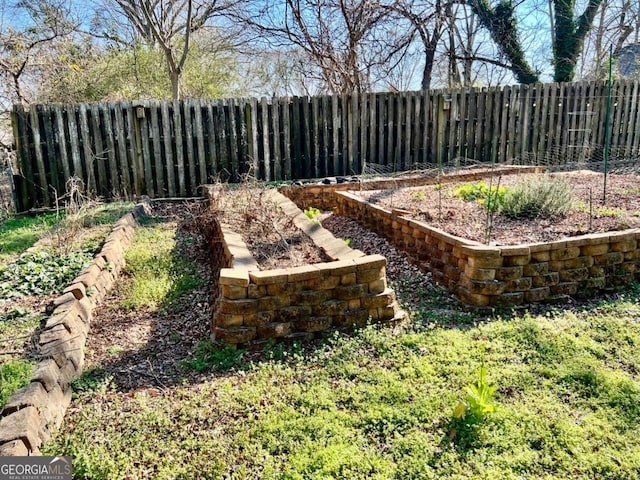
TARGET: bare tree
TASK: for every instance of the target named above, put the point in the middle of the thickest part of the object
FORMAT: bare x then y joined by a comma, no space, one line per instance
337,37
22,48
169,24
613,26
427,21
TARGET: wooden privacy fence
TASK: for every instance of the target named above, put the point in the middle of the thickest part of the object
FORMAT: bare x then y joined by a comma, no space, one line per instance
170,148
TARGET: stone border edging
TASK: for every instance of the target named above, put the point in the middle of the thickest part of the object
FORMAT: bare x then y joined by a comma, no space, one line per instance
33,412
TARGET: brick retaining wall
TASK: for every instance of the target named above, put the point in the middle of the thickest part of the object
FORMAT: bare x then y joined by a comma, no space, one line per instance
505,275
298,303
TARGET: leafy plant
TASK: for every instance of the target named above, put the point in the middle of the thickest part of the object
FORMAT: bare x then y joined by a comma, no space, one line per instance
347,241
311,212
13,314
209,355
478,401
93,380
538,196
491,197
115,350
280,351
419,195
41,273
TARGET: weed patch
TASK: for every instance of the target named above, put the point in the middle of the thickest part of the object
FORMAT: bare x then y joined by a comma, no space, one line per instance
156,274
209,355
14,374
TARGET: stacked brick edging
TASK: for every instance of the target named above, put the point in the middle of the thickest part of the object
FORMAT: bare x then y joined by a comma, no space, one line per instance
298,303
323,196
509,275
33,412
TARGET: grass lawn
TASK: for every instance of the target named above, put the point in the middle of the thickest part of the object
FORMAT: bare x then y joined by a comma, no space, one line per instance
379,404
18,234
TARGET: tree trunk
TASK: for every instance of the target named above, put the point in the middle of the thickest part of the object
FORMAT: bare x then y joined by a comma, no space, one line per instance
569,36
175,84
503,27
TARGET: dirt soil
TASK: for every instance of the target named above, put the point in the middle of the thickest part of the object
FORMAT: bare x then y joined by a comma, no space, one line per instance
270,235
440,208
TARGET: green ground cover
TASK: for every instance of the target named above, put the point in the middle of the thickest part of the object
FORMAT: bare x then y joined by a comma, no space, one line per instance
380,403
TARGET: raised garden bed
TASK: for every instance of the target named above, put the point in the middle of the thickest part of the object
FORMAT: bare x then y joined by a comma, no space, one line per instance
441,207
255,305
482,275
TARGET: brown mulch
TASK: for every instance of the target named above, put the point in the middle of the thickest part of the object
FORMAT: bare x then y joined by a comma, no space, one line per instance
270,235
441,209
143,348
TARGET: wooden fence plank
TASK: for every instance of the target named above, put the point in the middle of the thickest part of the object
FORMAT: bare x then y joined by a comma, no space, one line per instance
252,124
211,143
523,137
316,170
52,163
87,151
373,128
61,139
179,151
453,133
364,131
115,186
154,130
266,156
169,144
286,130
306,162
618,108
188,141
296,131
417,129
142,111
102,181
201,161
634,125
277,140
326,139
74,143
381,101
133,142
344,134
37,143
19,121
335,123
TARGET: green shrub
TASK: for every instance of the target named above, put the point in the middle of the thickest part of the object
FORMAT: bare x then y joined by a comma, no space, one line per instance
539,196
491,197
